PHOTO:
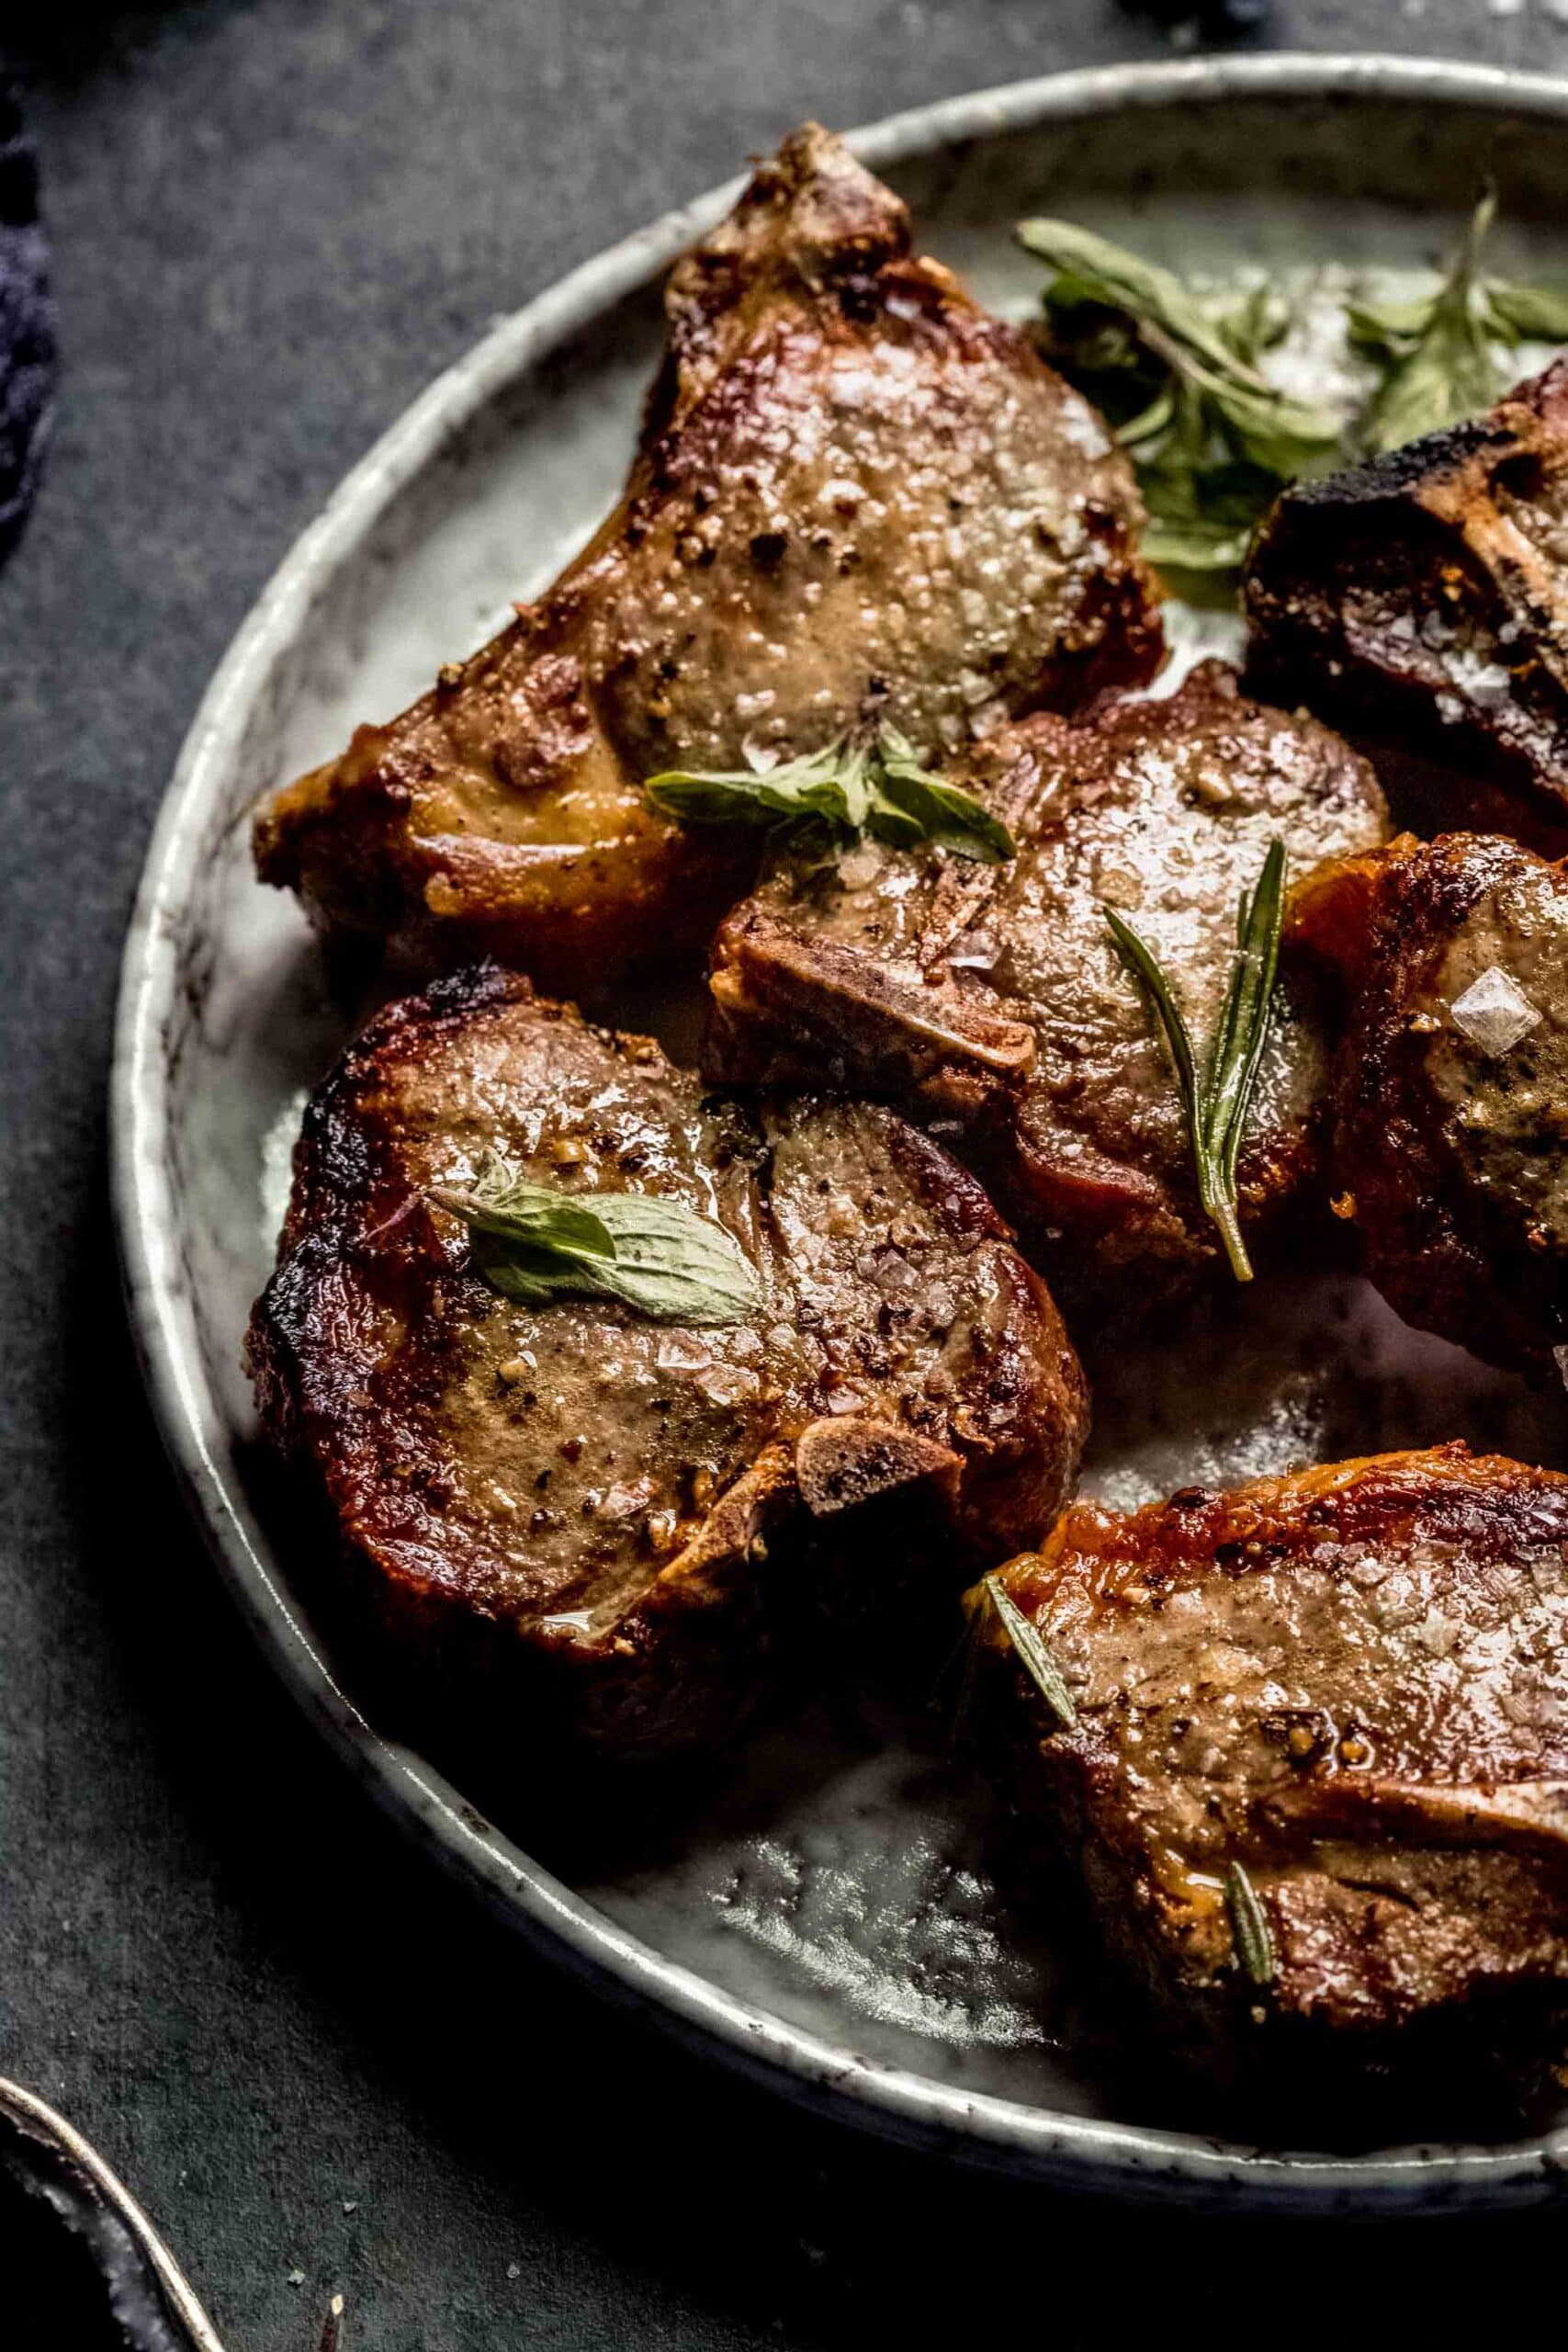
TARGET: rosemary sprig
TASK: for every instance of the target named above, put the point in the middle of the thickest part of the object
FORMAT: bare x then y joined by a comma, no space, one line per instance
1249,1927
1031,1652
854,785
1216,1101
536,1245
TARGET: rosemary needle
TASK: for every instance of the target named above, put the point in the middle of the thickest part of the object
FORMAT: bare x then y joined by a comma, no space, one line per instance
1249,1927
1216,1101
1032,1652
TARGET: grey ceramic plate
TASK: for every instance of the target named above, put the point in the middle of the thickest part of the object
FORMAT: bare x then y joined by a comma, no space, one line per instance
829,1922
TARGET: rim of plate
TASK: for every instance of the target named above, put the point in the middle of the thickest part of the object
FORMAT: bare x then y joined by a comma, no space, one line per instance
1127,2160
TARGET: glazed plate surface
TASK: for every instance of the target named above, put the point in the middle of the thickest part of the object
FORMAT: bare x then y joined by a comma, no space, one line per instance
829,1918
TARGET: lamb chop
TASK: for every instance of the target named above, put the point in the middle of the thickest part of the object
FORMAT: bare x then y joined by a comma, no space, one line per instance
580,1512
853,487
991,1002
1451,1092
1306,1747
1420,602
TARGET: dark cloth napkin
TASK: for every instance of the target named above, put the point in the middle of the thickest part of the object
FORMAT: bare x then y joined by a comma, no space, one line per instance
26,325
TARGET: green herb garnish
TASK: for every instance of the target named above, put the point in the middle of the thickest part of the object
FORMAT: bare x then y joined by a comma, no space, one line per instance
1032,1652
538,1245
1179,377
874,784
1436,357
1216,1102
1213,440
1249,1927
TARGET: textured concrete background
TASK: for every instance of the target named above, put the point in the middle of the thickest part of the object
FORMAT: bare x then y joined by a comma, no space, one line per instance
274,221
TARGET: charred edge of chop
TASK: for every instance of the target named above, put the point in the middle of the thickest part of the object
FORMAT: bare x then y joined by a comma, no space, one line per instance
1349,1683
907,1396
855,488
990,1003
1420,602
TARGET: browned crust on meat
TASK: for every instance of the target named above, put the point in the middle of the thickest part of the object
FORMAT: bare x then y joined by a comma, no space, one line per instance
1459,1239
575,1519
764,580
1349,1682
1046,1061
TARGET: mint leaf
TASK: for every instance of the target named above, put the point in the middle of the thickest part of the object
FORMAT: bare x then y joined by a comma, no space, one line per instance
847,789
538,1245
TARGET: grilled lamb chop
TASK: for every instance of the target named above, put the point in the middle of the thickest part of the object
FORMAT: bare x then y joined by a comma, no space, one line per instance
1420,602
993,1000
577,1513
853,486
1451,1092
1350,1685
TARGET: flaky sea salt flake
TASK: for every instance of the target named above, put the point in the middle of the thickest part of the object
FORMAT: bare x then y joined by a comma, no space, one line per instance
1495,1012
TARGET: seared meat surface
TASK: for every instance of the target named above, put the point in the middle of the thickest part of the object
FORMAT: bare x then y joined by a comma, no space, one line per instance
575,1512
1352,1684
1451,1095
993,999
855,488
1420,602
